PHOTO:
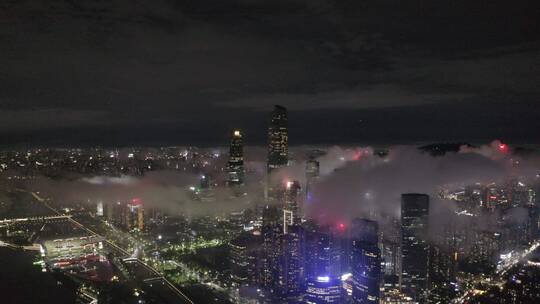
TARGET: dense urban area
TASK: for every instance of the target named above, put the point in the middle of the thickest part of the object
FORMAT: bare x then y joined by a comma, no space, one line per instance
92,225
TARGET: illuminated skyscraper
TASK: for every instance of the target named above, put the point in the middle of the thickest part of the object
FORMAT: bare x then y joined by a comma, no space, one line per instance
271,247
235,166
365,261
291,208
323,290
324,256
414,248
290,280
278,139
243,258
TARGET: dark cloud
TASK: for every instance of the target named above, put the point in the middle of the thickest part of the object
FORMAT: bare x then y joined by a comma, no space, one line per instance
112,66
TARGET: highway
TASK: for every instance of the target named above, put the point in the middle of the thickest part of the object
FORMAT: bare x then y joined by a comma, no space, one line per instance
506,263
178,292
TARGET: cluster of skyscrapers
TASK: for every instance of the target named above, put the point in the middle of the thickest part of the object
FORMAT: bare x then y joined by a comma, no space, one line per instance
292,259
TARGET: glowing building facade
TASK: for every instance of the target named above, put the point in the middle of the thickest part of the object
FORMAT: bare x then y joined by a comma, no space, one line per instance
291,207
278,139
323,290
235,166
365,261
291,264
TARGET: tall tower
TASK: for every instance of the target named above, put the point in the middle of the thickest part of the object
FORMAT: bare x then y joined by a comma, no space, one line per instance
414,248
291,208
365,261
278,139
291,264
235,167
322,266
271,247
312,173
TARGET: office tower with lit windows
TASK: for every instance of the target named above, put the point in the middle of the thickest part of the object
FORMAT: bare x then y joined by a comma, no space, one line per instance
323,290
291,206
441,275
324,256
290,280
414,248
322,266
271,247
365,261
235,166
278,139
244,251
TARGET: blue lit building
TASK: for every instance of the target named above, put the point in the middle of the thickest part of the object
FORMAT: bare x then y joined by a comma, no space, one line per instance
323,290
365,261
290,280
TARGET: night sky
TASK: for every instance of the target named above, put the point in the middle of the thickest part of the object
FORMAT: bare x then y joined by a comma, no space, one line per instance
122,72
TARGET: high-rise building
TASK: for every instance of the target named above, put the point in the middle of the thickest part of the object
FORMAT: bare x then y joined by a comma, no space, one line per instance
365,261
414,248
135,215
291,208
323,290
324,256
278,139
312,173
391,243
271,247
290,280
235,167
243,258
441,275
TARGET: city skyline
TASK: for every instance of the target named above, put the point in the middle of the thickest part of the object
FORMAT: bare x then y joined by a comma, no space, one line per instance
330,227
269,152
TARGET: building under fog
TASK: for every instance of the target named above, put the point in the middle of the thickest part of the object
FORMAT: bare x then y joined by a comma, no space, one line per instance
414,248
312,174
291,206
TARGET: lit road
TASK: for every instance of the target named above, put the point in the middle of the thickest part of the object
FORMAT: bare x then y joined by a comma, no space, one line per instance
513,259
506,263
179,293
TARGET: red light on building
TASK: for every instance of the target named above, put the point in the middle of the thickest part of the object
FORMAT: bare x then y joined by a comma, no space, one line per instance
136,201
